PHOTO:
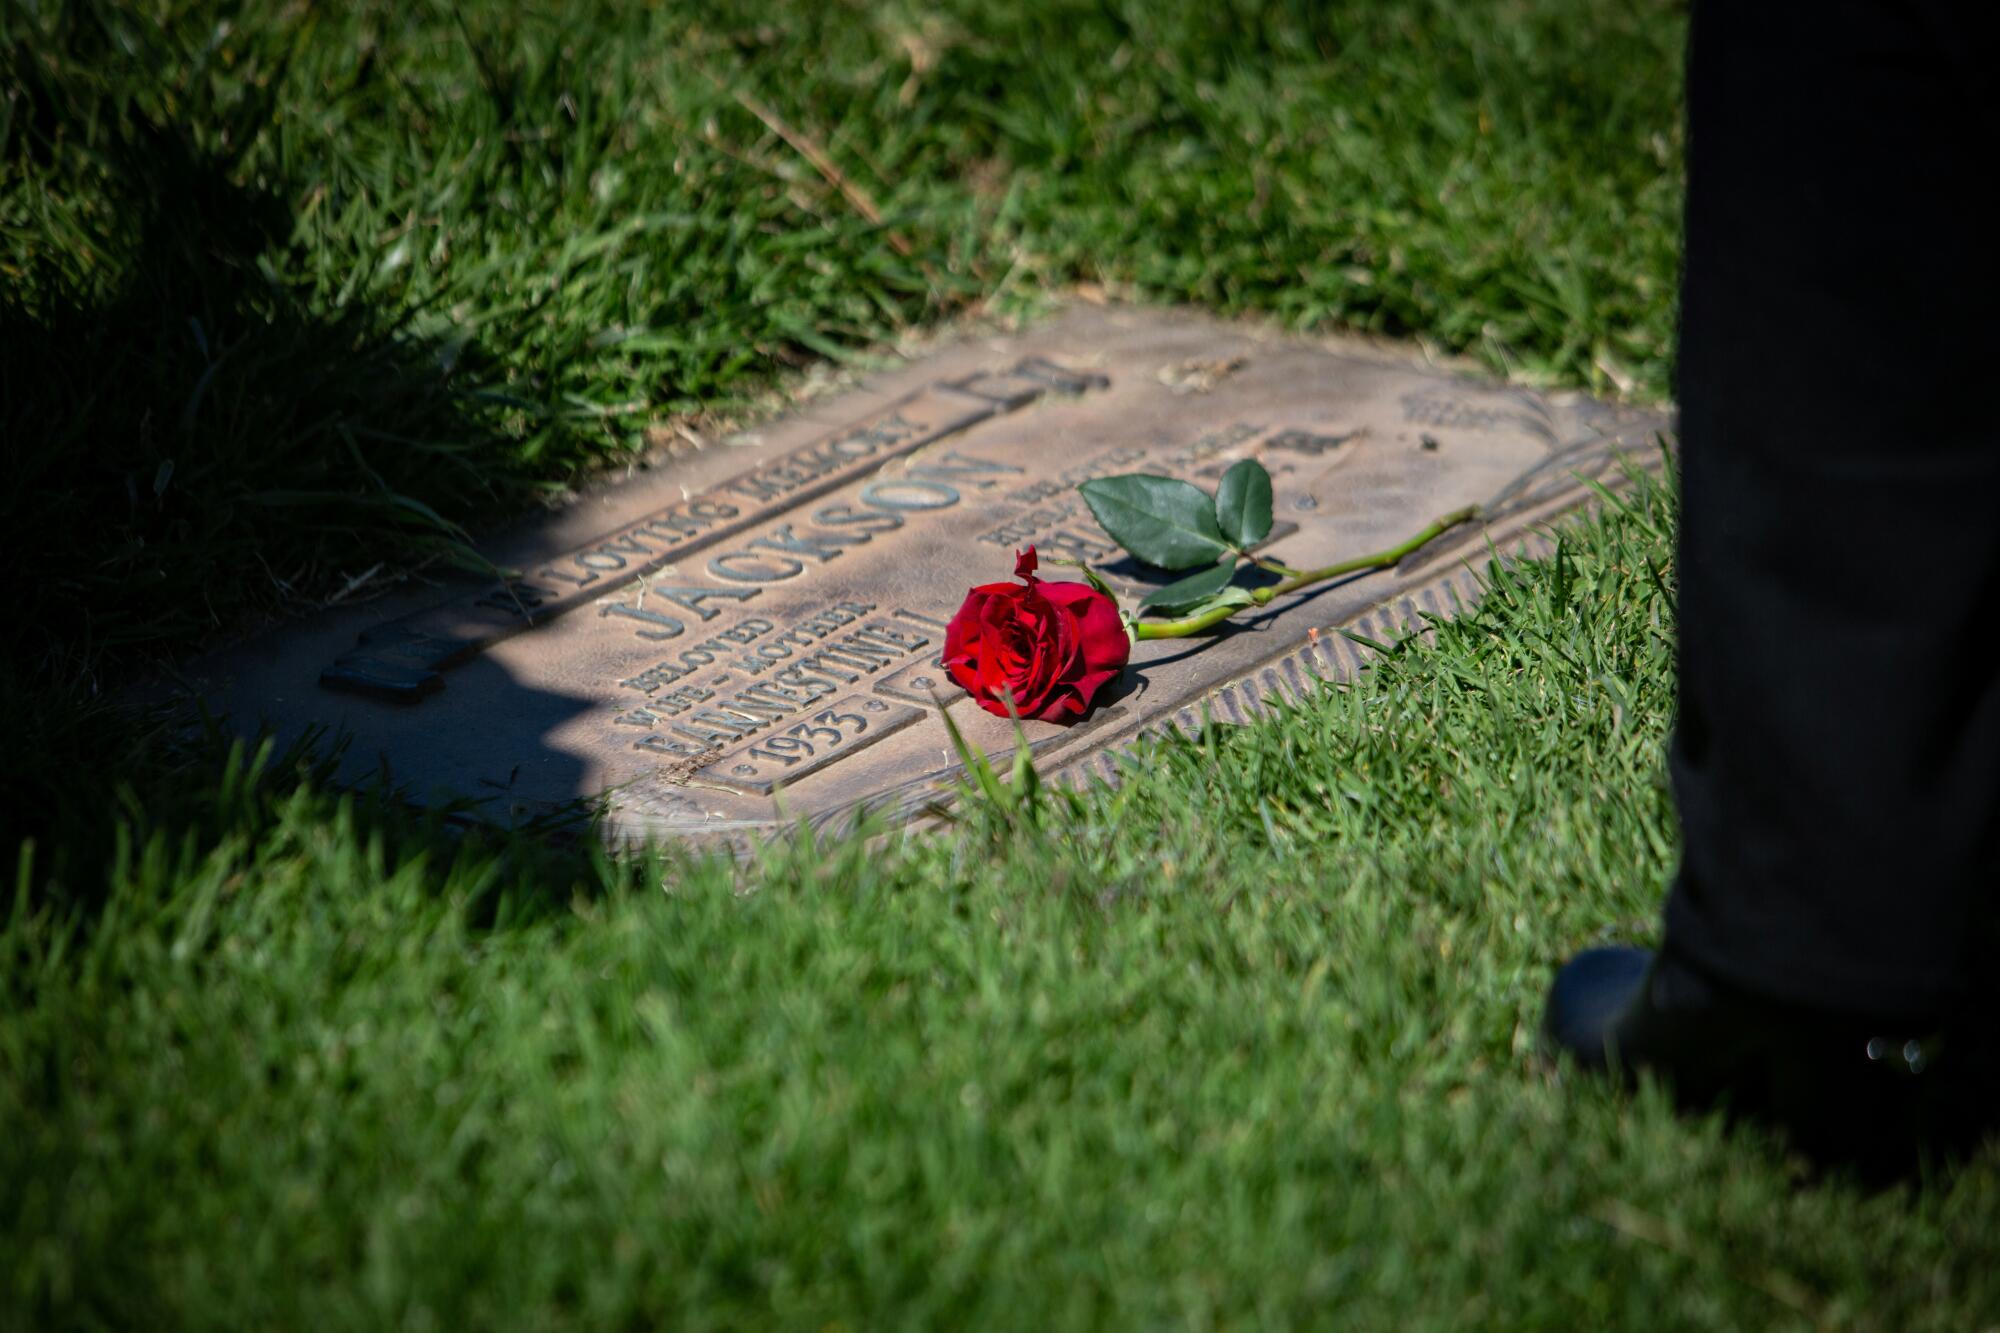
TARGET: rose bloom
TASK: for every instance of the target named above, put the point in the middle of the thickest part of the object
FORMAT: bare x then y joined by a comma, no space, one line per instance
1050,646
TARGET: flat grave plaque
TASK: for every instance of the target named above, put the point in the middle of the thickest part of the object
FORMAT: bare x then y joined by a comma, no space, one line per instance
750,635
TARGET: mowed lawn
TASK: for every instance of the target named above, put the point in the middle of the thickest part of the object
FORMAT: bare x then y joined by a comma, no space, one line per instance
291,297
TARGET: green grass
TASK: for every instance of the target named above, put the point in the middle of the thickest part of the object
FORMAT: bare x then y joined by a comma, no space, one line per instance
290,294
1267,1066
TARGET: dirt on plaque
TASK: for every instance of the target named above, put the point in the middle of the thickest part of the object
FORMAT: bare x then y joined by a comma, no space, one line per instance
752,636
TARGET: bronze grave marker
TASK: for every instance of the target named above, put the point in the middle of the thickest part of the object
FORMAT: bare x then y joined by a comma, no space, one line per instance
750,635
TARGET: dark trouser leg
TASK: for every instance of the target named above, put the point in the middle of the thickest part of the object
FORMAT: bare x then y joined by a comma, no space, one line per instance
1837,758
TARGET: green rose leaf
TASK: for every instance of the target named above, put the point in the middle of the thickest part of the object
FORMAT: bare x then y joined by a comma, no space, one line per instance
1243,503
1190,592
1162,521
1227,597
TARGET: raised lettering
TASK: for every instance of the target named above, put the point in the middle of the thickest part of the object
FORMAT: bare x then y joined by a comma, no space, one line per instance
818,545
679,701
639,717
1078,546
758,708
867,660
857,646
746,631
672,525
666,627
890,634
909,494
956,465
816,663
770,689
722,715
713,728
800,677
846,515
748,567
651,679
692,598
820,625
666,745
628,544
756,487
863,442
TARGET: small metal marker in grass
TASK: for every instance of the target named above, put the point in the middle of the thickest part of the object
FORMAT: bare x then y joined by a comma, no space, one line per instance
761,627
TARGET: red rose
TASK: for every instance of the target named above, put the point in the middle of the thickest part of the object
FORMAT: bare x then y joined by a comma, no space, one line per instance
1051,646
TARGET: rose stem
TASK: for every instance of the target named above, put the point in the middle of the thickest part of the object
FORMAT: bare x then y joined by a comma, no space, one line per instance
1180,629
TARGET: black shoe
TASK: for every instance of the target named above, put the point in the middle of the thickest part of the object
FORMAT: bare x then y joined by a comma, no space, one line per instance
1880,1096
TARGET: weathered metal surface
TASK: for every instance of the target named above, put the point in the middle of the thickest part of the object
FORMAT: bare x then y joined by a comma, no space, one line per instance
750,636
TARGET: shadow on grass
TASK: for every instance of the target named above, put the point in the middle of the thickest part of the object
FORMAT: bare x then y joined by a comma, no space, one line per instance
198,442
190,441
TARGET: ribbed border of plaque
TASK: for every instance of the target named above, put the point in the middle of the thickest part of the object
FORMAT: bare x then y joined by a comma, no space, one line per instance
1333,658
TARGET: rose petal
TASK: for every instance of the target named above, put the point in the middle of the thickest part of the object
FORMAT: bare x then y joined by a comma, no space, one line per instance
1099,627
